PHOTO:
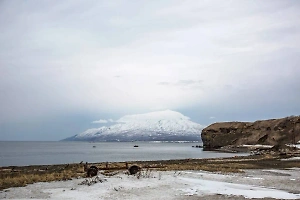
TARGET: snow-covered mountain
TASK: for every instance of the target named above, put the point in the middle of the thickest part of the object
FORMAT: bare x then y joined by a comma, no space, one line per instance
165,125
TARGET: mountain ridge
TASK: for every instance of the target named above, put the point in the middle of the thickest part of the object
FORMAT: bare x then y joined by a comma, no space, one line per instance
165,125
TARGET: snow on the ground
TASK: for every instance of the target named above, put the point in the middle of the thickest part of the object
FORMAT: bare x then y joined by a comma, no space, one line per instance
202,187
257,146
294,145
169,185
292,158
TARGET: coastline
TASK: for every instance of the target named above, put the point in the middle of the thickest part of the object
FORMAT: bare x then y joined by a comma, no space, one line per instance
242,177
18,176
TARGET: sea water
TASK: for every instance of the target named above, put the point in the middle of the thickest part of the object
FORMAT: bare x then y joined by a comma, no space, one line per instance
46,153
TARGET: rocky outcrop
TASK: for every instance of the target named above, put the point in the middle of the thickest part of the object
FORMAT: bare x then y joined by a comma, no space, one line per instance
265,132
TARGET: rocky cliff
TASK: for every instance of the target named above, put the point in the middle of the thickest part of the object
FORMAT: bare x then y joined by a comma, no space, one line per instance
265,132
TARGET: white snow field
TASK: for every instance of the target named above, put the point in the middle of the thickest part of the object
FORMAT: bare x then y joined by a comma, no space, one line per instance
260,184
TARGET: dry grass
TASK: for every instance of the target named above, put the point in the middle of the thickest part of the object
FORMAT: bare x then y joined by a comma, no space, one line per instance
21,176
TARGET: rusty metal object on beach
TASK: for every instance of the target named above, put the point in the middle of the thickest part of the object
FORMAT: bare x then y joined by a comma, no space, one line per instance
92,171
134,169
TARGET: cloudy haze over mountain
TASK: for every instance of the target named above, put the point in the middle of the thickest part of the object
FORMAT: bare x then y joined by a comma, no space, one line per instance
68,66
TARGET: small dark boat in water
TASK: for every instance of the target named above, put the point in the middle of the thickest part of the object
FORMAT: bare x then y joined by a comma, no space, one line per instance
135,146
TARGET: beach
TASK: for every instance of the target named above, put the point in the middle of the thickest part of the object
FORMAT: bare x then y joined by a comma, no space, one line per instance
186,184
248,177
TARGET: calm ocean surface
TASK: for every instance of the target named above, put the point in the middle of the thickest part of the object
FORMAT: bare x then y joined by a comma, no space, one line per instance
44,153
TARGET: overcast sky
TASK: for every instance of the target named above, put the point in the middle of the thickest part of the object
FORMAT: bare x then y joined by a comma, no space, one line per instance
66,66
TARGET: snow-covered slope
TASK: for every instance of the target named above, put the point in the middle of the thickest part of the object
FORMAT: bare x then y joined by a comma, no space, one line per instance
155,126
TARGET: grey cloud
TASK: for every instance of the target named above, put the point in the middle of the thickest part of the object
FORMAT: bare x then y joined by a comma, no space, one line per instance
188,82
164,83
221,58
280,33
100,121
192,84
